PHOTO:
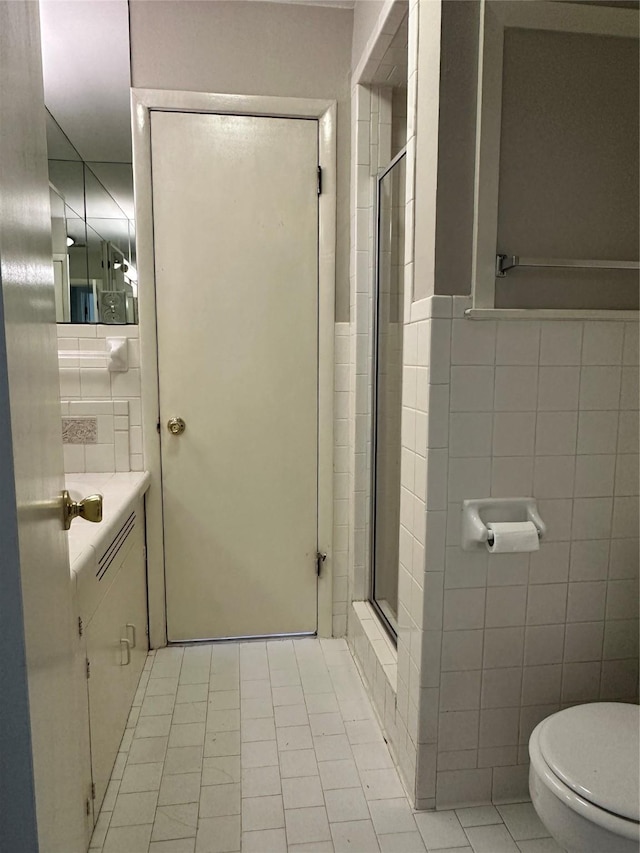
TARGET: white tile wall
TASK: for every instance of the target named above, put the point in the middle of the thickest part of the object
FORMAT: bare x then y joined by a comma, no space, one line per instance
534,408
87,387
341,480
490,645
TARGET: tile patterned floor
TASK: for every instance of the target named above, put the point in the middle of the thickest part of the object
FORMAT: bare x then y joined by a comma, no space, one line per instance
267,747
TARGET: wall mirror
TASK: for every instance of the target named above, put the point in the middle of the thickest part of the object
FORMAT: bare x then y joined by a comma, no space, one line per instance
85,57
93,238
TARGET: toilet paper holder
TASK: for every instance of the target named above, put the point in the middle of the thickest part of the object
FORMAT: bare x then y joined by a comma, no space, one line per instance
478,512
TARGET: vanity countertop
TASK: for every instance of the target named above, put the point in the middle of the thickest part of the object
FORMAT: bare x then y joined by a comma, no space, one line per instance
120,492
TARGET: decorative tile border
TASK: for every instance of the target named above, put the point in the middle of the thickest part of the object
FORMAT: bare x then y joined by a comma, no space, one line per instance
105,425
79,430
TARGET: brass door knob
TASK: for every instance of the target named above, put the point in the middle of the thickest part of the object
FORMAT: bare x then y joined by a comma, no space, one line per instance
176,426
90,509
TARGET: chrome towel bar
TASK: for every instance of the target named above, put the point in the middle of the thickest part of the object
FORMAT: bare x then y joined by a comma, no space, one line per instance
508,262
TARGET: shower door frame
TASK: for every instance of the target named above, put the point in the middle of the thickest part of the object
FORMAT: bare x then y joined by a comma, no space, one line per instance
143,102
392,632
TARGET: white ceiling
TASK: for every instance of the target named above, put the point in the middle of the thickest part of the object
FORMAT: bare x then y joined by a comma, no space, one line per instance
85,58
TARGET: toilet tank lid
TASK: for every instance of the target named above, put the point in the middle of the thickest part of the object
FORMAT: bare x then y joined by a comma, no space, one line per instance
595,750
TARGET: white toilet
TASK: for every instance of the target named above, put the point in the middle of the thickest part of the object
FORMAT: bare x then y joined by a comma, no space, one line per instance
584,777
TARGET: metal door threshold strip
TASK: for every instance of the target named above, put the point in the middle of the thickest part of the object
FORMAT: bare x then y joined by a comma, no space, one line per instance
248,638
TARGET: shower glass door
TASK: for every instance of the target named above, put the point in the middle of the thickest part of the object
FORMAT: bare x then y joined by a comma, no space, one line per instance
388,333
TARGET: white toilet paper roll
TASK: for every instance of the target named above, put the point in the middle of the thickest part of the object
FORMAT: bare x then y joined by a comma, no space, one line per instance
510,537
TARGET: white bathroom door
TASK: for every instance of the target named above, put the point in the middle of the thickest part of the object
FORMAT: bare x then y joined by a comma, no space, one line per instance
235,210
43,791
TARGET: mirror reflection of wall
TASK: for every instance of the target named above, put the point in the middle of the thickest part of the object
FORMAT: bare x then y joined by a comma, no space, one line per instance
93,238
85,53
61,249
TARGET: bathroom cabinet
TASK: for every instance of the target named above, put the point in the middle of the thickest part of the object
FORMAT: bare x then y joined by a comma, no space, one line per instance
109,593
116,648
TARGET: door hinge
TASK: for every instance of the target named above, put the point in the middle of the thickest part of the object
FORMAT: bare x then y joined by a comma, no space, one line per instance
87,806
319,180
80,626
158,426
320,558
88,668
93,790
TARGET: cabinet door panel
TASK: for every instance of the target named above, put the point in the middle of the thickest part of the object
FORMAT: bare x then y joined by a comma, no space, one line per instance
108,686
135,615
114,669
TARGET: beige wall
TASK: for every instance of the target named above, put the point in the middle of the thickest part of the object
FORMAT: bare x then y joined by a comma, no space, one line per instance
569,166
427,121
456,147
253,49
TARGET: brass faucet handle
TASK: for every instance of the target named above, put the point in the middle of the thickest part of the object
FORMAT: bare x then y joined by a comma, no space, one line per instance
90,509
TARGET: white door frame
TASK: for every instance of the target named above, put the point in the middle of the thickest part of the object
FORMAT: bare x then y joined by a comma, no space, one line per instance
143,101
